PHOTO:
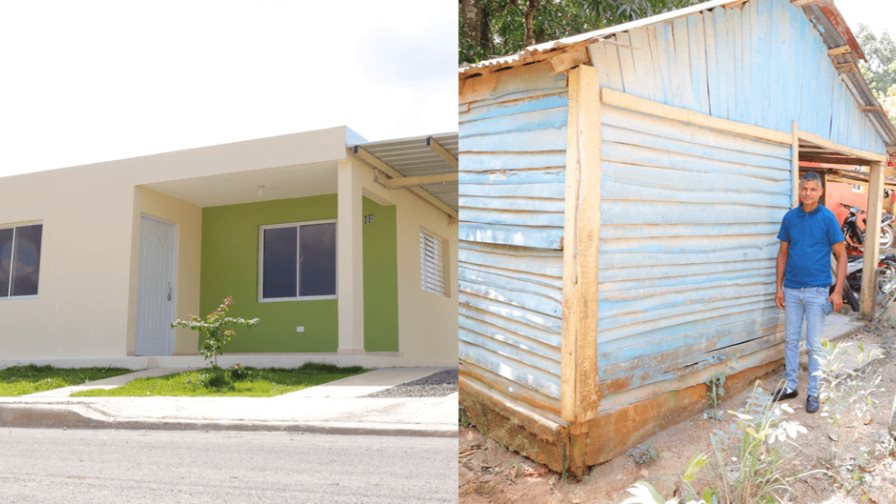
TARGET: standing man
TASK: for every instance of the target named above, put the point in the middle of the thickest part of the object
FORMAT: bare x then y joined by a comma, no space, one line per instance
809,233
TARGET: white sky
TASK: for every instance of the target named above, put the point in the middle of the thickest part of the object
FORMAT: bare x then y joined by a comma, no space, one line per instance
880,15
96,80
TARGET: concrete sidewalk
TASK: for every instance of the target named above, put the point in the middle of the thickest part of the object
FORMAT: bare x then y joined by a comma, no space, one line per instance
336,407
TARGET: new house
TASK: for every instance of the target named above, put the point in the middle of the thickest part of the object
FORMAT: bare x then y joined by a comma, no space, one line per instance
345,249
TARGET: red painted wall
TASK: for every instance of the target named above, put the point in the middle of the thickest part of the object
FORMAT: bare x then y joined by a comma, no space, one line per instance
841,192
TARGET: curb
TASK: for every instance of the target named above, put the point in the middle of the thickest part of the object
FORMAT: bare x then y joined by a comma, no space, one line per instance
68,417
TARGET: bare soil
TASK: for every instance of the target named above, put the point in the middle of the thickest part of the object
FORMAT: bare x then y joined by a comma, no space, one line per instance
488,473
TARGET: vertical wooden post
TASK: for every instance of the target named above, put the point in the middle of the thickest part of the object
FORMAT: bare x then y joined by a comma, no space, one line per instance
872,243
578,355
795,191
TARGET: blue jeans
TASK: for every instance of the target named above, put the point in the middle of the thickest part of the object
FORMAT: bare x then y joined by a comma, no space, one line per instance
804,304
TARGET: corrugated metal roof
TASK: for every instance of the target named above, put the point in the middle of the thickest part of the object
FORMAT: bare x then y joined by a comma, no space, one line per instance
824,15
836,33
590,37
413,157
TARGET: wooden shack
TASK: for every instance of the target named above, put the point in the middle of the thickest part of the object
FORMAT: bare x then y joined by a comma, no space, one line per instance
620,193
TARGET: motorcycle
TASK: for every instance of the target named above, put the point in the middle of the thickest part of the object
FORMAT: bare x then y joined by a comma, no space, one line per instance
886,282
855,236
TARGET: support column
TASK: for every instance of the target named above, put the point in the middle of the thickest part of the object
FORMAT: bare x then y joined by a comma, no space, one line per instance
349,260
872,243
578,353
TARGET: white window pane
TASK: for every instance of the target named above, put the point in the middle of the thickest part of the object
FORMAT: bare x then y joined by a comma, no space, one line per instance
26,260
280,254
317,273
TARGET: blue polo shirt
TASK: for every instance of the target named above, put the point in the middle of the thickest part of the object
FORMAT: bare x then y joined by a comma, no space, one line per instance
811,236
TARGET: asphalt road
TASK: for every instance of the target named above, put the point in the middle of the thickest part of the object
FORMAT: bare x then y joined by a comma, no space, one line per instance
89,466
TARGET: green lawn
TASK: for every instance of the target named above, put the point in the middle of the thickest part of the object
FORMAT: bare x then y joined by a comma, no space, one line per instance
21,380
254,382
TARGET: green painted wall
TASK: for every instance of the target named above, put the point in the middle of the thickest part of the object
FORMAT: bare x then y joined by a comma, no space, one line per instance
380,279
230,267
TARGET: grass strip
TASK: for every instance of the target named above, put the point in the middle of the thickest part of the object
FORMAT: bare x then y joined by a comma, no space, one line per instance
23,380
246,382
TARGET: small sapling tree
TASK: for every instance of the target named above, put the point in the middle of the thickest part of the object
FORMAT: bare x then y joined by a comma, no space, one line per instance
215,331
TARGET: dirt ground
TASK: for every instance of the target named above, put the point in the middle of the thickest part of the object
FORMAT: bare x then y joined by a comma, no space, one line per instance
488,473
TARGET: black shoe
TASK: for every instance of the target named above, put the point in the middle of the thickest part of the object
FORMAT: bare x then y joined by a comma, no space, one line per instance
782,393
812,404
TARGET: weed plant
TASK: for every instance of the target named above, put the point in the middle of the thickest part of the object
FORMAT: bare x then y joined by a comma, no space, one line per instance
847,396
747,457
715,391
643,454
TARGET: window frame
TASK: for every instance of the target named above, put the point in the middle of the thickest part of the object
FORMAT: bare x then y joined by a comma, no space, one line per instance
442,268
297,225
12,250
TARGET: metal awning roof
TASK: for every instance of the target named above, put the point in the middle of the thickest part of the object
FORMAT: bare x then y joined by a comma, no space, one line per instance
829,23
418,161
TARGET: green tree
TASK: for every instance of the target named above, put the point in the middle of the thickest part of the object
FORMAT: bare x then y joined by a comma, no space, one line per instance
490,28
215,330
879,68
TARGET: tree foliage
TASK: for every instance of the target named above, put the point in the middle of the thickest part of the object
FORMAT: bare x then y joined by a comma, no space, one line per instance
879,68
490,28
215,330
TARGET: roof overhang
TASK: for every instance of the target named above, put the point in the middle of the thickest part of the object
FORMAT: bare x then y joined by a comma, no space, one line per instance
425,165
843,48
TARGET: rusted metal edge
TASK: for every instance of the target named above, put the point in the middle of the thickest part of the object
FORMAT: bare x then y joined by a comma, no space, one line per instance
546,406
609,435
513,425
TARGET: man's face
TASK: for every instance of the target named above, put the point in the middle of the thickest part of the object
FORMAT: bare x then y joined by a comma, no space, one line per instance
810,191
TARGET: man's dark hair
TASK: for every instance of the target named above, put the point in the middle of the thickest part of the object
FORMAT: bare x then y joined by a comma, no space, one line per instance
810,177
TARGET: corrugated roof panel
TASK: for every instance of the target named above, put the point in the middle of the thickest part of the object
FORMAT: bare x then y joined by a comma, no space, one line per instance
413,157
825,16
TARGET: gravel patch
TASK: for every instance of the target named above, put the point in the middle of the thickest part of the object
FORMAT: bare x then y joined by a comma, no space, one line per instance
435,385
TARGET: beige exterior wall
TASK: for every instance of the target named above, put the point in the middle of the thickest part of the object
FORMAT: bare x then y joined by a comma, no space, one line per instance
427,323
188,219
81,308
85,307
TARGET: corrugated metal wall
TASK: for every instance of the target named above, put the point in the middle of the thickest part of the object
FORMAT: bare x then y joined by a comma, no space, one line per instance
689,218
510,266
761,63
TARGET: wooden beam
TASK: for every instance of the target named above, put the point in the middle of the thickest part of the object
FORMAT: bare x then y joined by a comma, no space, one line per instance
837,51
570,59
838,160
871,108
872,244
795,164
442,151
404,182
869,157
477,88
379,164
802,3
843,68
578,350
619,99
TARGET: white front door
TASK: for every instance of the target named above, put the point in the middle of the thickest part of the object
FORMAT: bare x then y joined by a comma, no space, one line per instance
155,287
